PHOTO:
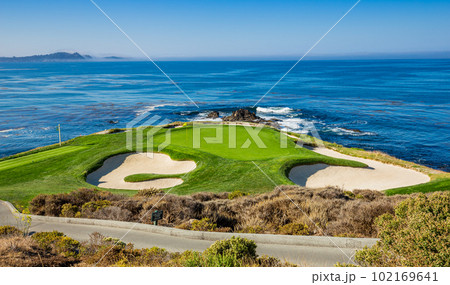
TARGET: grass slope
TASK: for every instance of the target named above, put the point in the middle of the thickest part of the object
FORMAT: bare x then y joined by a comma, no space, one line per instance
221,166
36,157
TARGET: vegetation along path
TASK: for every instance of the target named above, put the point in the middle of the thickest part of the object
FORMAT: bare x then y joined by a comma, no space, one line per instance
301,255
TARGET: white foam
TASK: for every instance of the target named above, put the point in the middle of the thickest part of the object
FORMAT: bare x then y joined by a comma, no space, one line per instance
295,124
274,110
11,130
344,131
147,109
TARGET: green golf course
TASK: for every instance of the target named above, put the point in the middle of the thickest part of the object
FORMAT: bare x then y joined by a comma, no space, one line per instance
225,157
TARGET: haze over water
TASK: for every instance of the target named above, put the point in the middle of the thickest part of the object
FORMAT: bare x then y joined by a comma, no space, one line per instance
400,107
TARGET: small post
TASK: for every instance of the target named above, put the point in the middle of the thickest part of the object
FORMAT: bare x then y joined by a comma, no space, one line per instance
59,133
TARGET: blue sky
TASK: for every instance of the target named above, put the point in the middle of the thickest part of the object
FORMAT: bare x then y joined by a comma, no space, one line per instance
201,28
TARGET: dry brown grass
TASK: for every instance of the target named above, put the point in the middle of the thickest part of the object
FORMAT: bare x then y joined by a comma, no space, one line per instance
328,211
24,252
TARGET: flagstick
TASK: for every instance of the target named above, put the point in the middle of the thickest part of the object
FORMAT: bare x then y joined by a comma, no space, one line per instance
59,132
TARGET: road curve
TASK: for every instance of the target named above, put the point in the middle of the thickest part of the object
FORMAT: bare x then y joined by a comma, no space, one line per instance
303,255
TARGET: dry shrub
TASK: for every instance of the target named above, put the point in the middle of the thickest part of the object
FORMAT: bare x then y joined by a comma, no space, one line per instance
112,213
25,252
356,218
51,205
294,229
324,211
149,192
6,231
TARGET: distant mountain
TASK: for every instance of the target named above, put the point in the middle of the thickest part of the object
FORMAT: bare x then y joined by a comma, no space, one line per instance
59,56
114,57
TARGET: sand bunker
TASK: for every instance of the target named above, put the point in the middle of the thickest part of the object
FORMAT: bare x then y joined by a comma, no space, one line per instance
379,176
113,171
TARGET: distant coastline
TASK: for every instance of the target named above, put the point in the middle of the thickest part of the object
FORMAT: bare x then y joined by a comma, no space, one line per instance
67,57
55,57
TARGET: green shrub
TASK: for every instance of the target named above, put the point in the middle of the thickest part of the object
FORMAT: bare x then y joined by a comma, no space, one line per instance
225,260
190,259
90,207
418,234
236,194
9,231
68,210
58,242
68,247
237,247
349,194
204,224
46,239
114,242
294,229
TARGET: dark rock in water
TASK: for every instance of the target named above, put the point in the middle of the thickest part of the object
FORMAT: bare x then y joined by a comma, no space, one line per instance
353,130
213,115
112,122
243,115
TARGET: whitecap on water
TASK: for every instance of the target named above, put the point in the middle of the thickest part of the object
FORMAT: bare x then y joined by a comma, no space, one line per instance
274,110
344,131
11,130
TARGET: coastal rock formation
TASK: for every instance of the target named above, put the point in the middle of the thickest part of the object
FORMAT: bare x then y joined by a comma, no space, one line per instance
243,115
213,115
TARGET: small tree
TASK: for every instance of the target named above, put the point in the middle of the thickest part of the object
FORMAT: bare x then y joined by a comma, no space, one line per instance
417,235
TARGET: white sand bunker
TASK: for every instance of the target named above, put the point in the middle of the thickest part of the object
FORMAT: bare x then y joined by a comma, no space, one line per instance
379,176
113,171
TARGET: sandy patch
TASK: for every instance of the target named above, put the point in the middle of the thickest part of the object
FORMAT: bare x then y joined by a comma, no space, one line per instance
113,171
379,176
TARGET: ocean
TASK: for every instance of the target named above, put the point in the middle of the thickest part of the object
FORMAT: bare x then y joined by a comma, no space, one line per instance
400,107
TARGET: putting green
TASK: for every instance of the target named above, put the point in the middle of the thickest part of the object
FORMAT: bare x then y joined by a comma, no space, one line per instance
232,142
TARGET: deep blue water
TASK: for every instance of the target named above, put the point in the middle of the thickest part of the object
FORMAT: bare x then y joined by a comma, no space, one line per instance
399,107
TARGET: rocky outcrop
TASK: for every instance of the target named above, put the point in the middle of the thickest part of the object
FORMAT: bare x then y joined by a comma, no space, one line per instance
243,115
213,115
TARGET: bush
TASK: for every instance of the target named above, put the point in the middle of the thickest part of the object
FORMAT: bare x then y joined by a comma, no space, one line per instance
68,210
114,242
149,192
330,209
252,230
236,194
58,242
237,247
91,207
112,213
418,234
24,252
204,224
9,231
294,229
51,205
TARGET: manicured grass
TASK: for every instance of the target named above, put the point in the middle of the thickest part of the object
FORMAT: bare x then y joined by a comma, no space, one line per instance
36,157
149,176
432,186
221,166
